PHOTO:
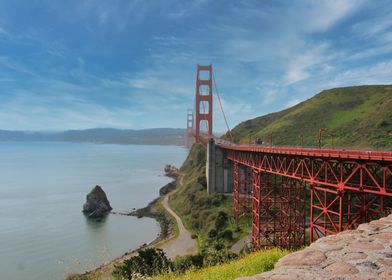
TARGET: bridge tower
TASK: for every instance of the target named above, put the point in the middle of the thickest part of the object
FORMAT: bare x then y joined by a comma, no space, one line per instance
189,129
203,101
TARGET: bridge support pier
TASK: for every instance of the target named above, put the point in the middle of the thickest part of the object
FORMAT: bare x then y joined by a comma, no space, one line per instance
219,170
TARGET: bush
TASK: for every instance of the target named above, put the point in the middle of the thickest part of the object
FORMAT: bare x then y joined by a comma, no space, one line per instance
227,234
217,200
221,220
182,264
149,262
214,257
213,233
202,180
167,188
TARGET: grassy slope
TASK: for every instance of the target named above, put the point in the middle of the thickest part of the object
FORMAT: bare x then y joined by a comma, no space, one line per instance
359,117
247,265
197,209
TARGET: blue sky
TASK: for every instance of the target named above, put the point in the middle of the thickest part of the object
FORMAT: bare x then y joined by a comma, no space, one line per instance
131,64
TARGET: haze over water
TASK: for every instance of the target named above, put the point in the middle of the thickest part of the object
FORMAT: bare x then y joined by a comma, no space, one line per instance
43,233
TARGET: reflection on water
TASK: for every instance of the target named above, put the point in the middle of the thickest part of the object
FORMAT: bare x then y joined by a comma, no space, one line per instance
94,222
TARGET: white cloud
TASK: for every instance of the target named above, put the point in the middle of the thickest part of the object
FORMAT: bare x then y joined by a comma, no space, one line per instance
324,14
292,102
378,73
299,68
14,65
269,96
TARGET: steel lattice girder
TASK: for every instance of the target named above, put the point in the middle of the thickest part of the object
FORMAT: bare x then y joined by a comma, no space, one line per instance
333,211
256,199
236,192
242,191
343,174
280,217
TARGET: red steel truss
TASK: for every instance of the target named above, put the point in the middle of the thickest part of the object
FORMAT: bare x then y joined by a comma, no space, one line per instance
344,193
333,210
242,191
256,203
349,174
279,211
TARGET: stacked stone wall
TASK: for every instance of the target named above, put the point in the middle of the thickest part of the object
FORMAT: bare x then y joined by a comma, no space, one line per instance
364,253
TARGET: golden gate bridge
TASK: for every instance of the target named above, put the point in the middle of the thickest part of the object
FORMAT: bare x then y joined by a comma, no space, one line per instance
279,186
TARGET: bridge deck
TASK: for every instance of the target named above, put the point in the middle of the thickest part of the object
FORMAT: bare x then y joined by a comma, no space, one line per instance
309,152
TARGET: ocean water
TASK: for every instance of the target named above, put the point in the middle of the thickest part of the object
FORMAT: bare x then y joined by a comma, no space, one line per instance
43,185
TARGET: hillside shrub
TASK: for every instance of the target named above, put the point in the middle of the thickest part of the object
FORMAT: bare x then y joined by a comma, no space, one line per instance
184,263
227,234
214,257
221,220
148,262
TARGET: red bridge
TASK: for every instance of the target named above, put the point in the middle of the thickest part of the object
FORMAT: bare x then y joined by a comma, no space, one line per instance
279,186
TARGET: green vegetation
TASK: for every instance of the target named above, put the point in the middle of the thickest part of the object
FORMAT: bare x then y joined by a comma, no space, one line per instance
247,265
359,117
148,262
151,261
209,217
210,265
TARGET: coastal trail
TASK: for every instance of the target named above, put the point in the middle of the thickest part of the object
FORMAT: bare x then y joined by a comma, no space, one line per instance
183,244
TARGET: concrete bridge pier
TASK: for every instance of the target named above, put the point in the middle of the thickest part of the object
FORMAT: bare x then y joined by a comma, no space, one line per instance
219,170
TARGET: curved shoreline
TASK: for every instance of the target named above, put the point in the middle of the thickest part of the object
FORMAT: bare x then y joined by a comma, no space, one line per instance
165,234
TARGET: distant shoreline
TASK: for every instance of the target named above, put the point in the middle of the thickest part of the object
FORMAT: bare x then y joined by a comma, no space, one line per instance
88,142
155,136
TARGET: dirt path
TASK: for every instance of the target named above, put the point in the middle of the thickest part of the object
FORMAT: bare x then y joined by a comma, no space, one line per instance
183,244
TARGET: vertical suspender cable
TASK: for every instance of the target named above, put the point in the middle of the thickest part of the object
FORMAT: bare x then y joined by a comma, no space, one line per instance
221,107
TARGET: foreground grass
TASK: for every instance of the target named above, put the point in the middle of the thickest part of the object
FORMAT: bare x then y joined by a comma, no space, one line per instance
248,265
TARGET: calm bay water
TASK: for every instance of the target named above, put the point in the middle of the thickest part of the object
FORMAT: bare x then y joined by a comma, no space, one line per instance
43,233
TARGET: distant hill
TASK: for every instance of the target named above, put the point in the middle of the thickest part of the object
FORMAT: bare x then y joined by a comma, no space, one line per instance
359,117
161,136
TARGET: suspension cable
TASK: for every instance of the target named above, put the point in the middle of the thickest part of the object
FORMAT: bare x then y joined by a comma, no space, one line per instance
221,107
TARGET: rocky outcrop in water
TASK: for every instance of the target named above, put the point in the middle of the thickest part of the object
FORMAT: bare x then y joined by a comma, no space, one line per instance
97,204
171,171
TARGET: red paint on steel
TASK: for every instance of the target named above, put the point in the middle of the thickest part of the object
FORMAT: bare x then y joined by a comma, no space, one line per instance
256,203
344,173
347,187
203,97
236,192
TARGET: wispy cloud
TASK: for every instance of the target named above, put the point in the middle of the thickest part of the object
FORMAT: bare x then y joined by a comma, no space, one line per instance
302,65
132,63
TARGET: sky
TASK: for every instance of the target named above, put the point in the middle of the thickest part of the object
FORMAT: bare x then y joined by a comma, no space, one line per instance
81,64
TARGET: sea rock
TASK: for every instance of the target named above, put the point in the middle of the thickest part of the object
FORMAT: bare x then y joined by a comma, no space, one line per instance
97,204
171,171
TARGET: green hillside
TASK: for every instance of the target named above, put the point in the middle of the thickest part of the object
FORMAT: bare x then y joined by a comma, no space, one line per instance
210,218
359,117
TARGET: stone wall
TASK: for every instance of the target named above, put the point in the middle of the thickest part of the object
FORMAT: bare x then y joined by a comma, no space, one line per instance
364,253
